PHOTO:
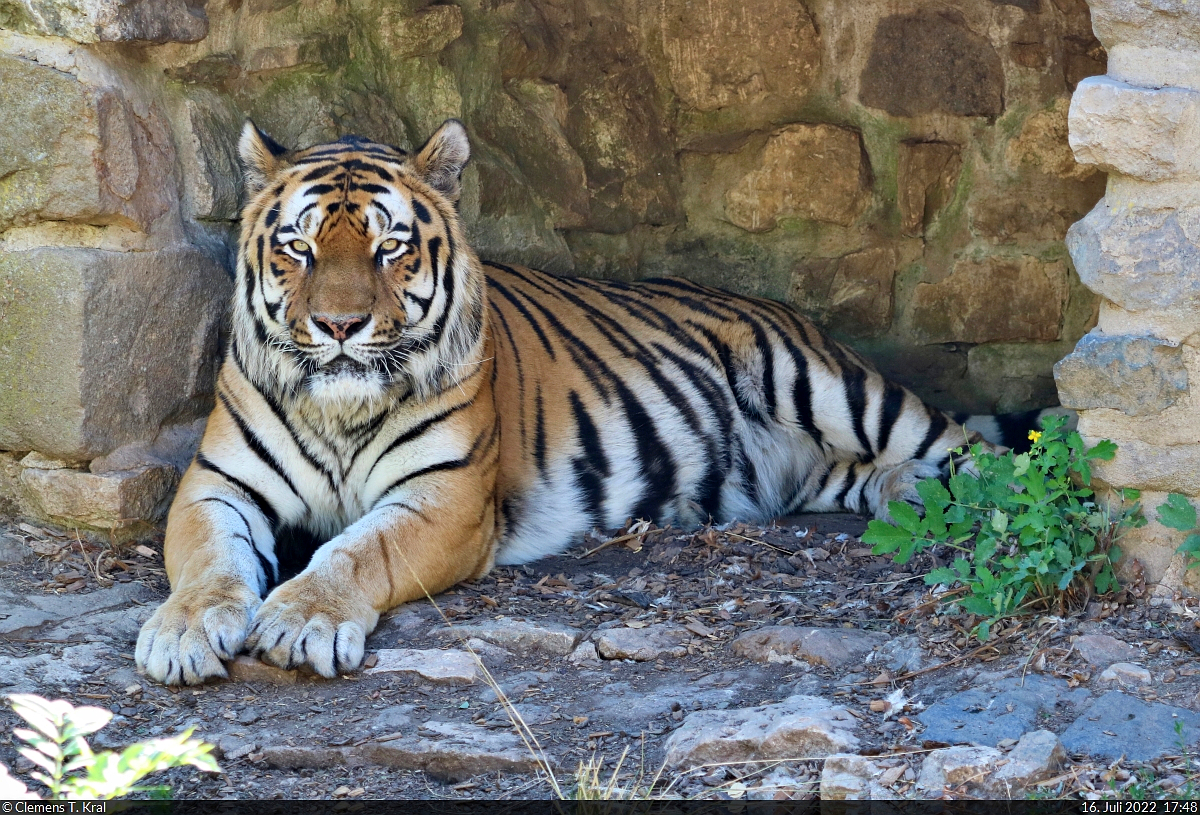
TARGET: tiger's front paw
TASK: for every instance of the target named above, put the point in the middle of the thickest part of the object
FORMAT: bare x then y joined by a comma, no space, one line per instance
899,483
185,640
304,622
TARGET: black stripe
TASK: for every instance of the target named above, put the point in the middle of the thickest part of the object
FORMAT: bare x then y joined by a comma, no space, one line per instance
539,433
854,384
937,426
256,497
524,312
893,401
270,573
256,446
851,477
591,468
422,212
418,430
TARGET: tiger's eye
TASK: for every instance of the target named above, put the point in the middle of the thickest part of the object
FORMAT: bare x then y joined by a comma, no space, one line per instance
390,245
300,246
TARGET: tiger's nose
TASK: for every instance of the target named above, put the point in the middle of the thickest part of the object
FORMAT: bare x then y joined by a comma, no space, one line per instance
340,328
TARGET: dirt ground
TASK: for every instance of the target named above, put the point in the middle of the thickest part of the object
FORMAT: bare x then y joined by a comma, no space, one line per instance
719,583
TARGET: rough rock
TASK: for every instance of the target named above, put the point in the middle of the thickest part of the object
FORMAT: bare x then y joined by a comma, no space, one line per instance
632,707
901,654
1037,756
1136,375
111,368
13,550
798,727
988,714
928,174
931,61
1140,259
1126,673
846,777
212,177
111,500
520,636
585,654
832,647
740,62
1163,468
970,767
643,644
88,21
1042,143
1102,650
815,172
243,668
1117,724
852,293
993,299
440,667
452,751
1141,132
33,674
28,611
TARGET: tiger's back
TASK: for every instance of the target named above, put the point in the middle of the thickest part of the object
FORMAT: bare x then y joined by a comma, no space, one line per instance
671,401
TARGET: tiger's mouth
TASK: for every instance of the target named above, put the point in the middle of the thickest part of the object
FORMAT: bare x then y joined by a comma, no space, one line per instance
344,365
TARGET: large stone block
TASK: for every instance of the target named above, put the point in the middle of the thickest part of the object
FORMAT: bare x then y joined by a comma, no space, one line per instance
1139,259
112,500
1148,134
100,349
850,295
927,174
1150,42
817,172
73,151
1135,375
88,21
931,62
1147,466
742,60
993,299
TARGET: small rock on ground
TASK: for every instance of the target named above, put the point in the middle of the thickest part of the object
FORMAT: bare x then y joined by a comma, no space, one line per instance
846,777
439,667
519,635
968,767
248,669
831,647
643,644
799,727
988,714
1126,673
1036,757
1101,650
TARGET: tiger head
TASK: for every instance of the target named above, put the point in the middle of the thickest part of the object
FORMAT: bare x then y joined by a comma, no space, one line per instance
354,283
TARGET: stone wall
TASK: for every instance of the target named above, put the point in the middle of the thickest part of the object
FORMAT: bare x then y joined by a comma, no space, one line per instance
897,169
1132,376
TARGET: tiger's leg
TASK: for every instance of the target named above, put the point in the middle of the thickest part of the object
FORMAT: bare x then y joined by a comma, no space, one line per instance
395,553
866,488
219,557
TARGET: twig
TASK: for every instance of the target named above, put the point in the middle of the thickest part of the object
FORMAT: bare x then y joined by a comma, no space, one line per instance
620,539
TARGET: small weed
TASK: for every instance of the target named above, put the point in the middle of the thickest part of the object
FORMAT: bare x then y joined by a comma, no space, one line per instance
1026,528
1178,513
57,745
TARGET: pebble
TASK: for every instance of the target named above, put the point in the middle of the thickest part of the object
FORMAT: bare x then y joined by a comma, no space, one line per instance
1037,756
244,668
1126,673
451,667
968,767
643,644
800,727
585,654
831,647
847,777
518,635
1101,650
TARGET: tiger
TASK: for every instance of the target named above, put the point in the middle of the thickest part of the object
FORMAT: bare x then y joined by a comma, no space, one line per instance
394,416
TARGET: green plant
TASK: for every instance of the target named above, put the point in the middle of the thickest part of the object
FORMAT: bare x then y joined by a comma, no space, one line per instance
57,745
1025,528
1178,513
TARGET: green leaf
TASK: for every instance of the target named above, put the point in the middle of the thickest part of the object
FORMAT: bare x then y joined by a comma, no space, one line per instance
933,494
942,575
1104,450
999,521
883,537
905,517
1177,513
1190,545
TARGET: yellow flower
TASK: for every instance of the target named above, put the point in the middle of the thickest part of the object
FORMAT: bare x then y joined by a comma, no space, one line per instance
1034,436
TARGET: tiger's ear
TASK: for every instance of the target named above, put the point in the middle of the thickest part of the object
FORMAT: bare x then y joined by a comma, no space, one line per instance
441,161
262,157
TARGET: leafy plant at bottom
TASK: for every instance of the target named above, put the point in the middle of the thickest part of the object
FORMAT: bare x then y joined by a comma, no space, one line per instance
56,744
1025,529
1178,513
